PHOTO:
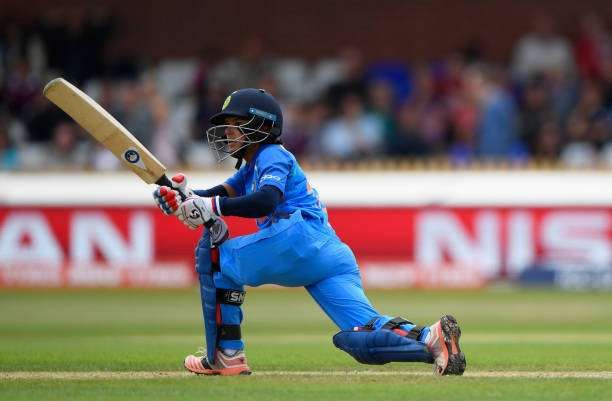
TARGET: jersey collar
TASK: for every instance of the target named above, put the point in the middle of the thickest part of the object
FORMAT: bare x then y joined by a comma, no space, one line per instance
256,154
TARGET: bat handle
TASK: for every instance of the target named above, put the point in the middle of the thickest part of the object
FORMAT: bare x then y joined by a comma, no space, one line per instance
165,182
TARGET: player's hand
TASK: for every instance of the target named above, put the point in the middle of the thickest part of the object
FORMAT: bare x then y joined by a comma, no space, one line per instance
179,182
195,212
168,199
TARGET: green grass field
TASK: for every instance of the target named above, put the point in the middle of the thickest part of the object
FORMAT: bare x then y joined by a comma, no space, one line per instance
129,345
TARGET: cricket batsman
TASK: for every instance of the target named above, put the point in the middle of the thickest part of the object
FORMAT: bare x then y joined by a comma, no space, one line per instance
295,246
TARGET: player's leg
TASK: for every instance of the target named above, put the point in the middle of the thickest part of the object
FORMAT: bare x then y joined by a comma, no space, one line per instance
278,255
283,254
271,255
373,338
221,300
342,298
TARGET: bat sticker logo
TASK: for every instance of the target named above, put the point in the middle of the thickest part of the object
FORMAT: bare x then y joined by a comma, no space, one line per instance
131,156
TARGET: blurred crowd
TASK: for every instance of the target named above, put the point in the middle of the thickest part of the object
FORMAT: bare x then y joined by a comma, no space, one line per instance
551,100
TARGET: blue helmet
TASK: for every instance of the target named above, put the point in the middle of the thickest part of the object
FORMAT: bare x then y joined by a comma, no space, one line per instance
261,121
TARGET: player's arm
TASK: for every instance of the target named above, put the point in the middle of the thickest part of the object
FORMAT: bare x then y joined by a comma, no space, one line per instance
224,189
169,200
274,167
258,204
196,211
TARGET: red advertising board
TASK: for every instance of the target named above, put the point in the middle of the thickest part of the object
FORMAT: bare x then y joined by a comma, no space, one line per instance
395,246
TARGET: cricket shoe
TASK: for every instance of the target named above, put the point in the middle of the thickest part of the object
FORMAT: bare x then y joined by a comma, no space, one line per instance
225,365
443,343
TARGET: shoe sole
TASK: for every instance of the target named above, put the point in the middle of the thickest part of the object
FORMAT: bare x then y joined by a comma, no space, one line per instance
201,370
452,333
220,372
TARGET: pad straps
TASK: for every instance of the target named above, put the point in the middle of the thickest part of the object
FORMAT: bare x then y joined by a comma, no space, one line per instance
395,326
229,332
229,297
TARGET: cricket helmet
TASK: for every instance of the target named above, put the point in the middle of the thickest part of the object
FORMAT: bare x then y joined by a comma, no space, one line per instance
261,122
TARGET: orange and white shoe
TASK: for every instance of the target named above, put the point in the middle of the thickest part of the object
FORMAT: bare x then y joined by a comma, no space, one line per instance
443,343
224,365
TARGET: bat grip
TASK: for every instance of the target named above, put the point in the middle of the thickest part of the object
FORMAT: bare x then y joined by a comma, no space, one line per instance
164,181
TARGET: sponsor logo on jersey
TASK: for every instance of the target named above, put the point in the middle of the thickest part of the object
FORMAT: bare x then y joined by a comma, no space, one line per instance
270,177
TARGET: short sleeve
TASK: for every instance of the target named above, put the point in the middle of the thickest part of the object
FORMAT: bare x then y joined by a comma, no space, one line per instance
274,167
236,181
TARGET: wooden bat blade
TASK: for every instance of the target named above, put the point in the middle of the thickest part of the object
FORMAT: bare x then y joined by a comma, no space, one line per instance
105,129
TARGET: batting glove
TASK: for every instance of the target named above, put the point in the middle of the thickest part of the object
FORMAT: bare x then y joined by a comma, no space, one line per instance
195,212
169,199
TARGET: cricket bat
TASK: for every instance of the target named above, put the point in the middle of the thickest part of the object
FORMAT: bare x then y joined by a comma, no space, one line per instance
108,131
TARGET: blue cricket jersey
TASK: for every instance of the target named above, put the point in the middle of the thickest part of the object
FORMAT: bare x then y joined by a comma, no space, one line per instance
274,165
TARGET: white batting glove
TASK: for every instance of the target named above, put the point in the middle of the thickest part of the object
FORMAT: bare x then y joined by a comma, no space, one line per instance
179,181
195,212
168,199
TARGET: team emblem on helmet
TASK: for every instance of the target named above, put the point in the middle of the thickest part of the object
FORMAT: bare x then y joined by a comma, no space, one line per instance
227,101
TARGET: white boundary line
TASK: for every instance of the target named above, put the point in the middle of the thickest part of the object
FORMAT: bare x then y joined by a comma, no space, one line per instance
106,375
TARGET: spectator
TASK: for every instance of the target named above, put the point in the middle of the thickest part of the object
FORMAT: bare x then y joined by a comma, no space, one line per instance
606,83
395,75
295,136
603,127
9,157
593,47
41,118
244,70
542,51
431,108
103,159
497,123
450,80
446,108
352,81
464,119
21,87
408,139
578,151
535,110
164,142
134,112
316,115
590,103
547,141
66,151
380,96
354,134
13,45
